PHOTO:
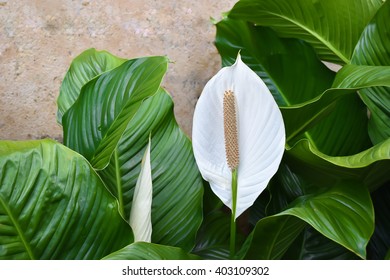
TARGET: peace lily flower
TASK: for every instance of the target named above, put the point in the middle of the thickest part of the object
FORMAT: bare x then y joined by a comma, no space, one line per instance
238,136
141,208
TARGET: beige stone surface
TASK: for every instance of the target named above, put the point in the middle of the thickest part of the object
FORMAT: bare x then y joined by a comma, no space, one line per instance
39,39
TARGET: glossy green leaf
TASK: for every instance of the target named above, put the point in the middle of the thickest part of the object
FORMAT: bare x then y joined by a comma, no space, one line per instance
332,27
373,48
213,237
343,213
95,123
370,166
285,187
150,251
312,245
177,184
84,68
360,76
54,206
272,236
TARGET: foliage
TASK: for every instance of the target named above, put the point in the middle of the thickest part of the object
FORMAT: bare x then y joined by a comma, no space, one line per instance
336,156
328,199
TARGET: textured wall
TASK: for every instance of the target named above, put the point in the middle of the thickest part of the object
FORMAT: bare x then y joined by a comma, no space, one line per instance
39,39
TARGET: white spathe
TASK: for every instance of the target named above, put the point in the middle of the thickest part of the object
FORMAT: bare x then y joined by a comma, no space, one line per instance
261,135
141,208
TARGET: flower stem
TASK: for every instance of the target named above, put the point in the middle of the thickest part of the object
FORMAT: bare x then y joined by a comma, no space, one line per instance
233,217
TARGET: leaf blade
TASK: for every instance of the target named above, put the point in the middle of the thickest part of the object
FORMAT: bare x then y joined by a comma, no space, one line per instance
58,205
332,27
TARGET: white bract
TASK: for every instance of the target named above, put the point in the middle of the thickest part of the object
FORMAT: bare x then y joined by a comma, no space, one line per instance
141,208
260,129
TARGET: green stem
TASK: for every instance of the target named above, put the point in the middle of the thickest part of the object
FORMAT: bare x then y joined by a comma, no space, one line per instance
119,183
233,219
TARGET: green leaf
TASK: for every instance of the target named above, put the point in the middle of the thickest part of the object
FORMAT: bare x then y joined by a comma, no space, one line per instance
177,184
272,236
380,241
213,237
369,166
84,68
332,27
150,251
373,48
300,117
343,213
311,245
98,118
54,206
360,76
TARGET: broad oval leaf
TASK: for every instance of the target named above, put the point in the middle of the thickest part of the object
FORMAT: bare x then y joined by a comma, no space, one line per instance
370,166
177,183
150,251
84,68
261,135
343,213
98,118
54,206
332,27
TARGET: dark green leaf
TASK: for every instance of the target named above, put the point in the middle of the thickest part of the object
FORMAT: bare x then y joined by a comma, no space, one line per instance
272,236
373,48
54,206
150,251
369,167
311,245
289,67
332,27
214,236
380,241
284,188
343,213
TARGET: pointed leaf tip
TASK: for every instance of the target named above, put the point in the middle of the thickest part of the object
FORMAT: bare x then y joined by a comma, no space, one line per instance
261,134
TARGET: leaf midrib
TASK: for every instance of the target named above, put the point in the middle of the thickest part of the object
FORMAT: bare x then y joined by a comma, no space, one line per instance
316,35
18,228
